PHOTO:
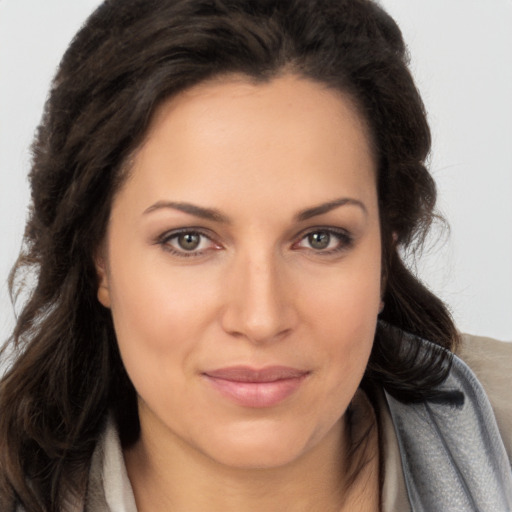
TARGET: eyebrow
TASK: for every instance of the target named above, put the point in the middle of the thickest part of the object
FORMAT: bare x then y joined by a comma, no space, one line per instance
216,216
308,213
197,211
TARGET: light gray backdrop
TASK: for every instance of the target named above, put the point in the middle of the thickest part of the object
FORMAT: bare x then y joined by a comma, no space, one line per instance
461,57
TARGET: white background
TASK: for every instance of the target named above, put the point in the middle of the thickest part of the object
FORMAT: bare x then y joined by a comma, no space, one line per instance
462,59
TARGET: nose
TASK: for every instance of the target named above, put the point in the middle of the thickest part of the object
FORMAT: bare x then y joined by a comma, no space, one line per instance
259,302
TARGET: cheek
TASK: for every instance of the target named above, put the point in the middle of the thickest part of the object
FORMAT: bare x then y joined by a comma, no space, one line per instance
342,321
158,328
149,294
347,302
344,314
160,315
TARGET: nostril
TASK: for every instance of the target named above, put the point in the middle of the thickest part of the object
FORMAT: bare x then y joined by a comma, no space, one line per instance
262,329
258,305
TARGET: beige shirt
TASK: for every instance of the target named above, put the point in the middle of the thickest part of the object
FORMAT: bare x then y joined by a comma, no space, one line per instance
491,361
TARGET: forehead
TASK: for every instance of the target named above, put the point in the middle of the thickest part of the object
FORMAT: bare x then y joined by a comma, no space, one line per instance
240,137
239,96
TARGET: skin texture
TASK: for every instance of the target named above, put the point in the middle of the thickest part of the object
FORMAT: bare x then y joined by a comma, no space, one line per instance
255,292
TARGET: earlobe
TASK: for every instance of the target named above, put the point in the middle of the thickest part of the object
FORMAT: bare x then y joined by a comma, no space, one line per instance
103,293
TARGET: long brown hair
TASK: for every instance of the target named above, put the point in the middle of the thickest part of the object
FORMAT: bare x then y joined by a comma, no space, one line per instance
130,56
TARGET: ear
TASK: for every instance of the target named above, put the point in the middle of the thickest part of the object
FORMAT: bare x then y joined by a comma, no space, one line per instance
103,280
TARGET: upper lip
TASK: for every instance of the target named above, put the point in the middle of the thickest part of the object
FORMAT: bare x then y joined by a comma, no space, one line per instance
249,374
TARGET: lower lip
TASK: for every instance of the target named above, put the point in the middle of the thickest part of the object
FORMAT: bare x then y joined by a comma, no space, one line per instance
257,394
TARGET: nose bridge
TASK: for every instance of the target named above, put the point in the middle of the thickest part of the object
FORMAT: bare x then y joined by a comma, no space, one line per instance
257,306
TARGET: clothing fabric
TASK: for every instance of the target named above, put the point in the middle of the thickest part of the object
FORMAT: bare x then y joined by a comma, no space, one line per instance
432,454
454,439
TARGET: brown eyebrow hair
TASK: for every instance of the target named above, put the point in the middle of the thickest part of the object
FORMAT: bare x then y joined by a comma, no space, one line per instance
215,215
327,207
198,211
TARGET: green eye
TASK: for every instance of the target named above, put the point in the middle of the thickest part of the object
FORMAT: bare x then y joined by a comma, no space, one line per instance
319,240
188,241
325,241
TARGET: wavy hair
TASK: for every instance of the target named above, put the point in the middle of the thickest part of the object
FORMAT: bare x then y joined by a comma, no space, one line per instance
128,58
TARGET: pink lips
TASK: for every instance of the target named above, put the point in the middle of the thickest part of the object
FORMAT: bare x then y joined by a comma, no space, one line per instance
251,387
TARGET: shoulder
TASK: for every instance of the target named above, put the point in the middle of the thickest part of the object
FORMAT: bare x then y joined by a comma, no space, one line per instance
491,361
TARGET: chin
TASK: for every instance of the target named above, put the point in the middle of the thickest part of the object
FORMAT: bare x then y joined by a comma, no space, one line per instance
259,446
252,457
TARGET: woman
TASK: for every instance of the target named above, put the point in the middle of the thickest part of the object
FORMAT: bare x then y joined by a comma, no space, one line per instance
220,193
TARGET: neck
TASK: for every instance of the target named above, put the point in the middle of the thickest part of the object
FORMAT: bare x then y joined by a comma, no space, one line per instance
174,476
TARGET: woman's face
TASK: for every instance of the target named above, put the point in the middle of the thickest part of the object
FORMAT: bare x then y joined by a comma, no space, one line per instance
242,267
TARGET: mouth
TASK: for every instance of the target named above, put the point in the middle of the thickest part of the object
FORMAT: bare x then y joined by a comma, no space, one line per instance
256,388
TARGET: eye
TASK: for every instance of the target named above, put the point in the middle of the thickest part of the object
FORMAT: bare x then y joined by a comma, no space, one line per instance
319,240
326,241
187,242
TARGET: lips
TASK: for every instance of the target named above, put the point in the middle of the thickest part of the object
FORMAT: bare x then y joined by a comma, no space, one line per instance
256,388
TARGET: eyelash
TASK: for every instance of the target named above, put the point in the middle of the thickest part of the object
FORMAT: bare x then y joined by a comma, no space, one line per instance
345,241
167,237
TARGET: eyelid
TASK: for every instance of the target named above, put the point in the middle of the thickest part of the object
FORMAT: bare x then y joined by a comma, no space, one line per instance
345,237
164,239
